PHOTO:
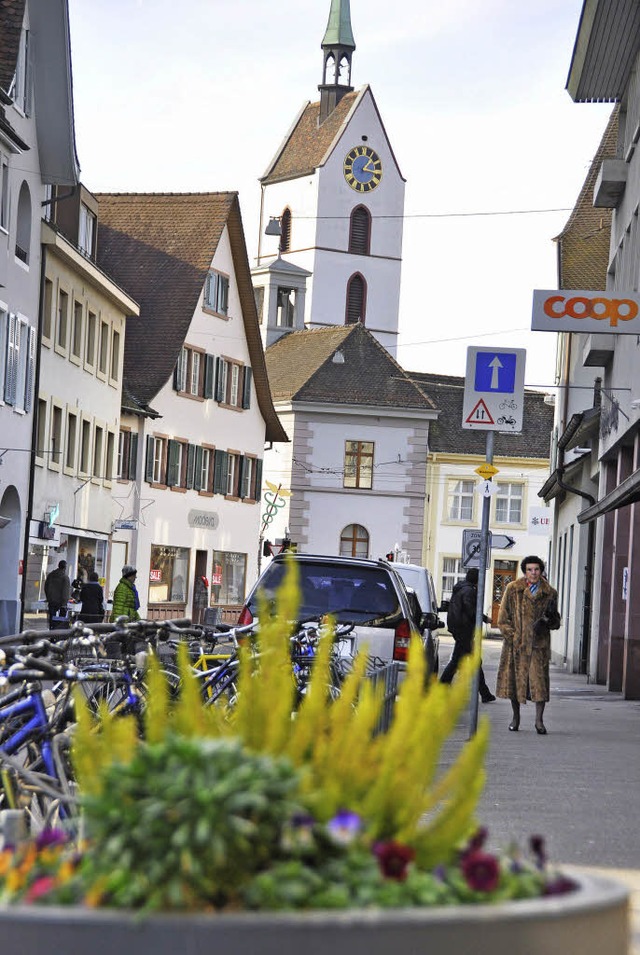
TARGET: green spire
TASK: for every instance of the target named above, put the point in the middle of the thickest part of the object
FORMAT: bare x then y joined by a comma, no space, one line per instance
339,32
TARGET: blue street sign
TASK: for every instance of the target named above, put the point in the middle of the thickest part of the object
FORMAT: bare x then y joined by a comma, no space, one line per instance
496,372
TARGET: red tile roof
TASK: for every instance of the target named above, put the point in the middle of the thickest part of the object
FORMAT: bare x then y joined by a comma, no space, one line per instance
159,247
307,143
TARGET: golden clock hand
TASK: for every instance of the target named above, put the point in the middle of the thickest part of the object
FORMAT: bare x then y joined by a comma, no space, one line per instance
369,166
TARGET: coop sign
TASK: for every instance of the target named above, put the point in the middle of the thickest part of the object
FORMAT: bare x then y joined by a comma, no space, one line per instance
563,310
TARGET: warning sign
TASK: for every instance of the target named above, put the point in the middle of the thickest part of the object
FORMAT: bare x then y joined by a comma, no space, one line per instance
480,414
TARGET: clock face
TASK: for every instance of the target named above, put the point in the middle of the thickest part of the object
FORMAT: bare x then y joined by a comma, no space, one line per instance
362,168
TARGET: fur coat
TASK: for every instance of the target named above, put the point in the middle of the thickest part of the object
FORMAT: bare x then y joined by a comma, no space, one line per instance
525,622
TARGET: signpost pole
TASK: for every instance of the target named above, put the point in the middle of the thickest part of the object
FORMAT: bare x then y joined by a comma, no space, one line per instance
482,575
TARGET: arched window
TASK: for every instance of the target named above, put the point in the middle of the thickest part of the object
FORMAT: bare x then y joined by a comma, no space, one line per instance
330,70
360,231
356,300
23,230
285,230
354,541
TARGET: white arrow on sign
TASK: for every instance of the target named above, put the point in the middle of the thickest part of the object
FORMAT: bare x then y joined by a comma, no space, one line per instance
502,541
495,365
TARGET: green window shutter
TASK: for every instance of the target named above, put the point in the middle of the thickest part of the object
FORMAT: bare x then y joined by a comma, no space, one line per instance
197,471
173,478
220,379
148,476
191,465
258,479
246,388
242,467
209,375
133,456
220,472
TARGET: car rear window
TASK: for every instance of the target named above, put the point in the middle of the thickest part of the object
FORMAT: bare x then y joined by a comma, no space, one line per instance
351,593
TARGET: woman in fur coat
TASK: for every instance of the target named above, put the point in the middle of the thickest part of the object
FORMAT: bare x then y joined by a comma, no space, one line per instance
529,610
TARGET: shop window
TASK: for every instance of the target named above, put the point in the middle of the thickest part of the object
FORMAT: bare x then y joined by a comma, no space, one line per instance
168,574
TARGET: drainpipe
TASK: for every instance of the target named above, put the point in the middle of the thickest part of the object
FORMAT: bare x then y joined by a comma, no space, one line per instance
34,435
588,570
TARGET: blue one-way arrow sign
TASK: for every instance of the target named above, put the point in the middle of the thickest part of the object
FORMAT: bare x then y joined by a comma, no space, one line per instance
494,389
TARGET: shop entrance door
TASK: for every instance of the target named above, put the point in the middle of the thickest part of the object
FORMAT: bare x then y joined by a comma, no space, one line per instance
504,571
200,588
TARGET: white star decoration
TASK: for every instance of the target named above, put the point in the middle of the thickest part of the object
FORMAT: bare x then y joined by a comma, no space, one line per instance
143,504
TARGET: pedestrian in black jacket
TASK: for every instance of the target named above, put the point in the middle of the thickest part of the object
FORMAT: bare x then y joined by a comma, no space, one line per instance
461,621
92,597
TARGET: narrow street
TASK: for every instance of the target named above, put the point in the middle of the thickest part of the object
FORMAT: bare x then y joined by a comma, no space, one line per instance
577,786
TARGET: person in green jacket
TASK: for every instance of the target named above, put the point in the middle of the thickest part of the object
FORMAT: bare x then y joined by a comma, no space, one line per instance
125,596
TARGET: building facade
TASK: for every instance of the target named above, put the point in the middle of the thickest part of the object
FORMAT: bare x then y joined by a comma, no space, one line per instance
453,503
37,150
196,408
353,473
606,67
79,391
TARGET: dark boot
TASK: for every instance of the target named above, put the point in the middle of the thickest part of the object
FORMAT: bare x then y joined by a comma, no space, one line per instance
514,725
485,693
541,729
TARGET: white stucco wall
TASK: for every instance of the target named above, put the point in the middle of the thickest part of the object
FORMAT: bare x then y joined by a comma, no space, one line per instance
165,511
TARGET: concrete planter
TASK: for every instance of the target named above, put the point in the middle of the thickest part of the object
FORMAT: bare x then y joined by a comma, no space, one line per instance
591,921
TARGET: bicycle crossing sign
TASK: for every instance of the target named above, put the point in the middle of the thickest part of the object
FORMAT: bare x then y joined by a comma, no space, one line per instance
494,389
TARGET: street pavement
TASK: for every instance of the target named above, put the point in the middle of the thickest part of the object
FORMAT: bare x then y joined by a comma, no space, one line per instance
578,786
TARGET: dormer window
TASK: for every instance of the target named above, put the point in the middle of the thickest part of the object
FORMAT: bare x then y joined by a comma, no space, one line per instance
87,231
20,89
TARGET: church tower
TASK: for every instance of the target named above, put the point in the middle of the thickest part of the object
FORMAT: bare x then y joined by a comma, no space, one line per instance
332,208
337,48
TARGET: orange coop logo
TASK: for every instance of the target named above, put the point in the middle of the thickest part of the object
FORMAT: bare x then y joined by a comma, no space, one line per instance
613,310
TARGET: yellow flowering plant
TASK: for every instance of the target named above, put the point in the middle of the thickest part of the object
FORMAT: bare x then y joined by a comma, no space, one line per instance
254,808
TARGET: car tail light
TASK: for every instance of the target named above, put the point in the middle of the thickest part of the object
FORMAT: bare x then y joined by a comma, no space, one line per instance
401,641
245,617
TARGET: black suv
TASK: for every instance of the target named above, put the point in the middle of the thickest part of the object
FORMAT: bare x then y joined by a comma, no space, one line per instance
368,593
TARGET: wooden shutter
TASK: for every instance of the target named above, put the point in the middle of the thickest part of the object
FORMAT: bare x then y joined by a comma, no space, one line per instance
220,472
355,300
132,457
191,464
220,379
257,494
360,231
197,470
246,388
209,375
223,294
242,468
173,458
31,369
148,476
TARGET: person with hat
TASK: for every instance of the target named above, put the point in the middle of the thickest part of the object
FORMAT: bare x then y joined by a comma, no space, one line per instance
125,597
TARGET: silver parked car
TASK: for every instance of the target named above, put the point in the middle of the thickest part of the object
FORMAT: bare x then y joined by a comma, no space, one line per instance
368,593
419,580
